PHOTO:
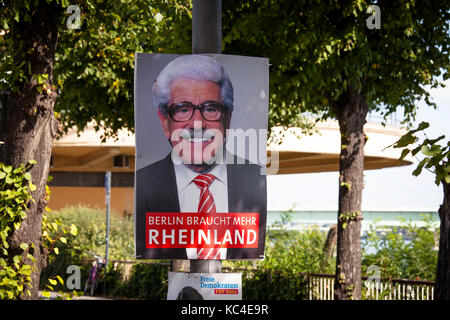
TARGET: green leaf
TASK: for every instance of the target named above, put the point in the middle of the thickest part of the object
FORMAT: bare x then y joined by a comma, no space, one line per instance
31,257
73,230
422,126
431,152
23,246
415,151
17,259
25,270
405,152
405,140
419,168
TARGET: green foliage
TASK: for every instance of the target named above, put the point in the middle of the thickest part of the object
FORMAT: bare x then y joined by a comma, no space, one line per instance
16,264
55,237
290,251
295,252
407,252
271,285
95,64
435,155
346,217
15,65
404,252
289,256
146,281
318,50
89,226
93,72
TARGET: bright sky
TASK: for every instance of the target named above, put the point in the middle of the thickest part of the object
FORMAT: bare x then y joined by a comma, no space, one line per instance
385,189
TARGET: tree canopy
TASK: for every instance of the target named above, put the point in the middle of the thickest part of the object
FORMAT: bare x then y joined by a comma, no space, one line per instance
318,49
95,64
329,60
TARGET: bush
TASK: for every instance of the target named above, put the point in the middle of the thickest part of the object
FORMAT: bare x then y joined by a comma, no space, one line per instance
147,281
264,284
407,252
91,224
91,238
16,263
289,256
291,251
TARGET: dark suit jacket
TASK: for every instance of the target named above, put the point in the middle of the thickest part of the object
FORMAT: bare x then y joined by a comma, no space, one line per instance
156,191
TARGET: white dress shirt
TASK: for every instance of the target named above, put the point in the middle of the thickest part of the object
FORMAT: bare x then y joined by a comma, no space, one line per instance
189,193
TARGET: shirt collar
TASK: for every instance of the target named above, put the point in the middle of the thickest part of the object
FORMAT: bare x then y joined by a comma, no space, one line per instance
184,175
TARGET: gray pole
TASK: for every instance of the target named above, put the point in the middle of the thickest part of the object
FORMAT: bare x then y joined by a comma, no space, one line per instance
206,38
108,207
207,26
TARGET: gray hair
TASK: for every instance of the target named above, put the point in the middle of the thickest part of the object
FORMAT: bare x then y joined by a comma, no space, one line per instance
195,67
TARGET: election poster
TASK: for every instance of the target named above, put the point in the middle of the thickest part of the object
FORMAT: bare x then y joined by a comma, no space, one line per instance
200,179
204,286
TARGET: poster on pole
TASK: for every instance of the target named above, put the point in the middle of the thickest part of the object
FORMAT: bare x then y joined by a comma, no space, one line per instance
200,179
204,286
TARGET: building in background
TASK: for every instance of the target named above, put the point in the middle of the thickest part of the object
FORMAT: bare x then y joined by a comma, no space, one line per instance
79,163
78,166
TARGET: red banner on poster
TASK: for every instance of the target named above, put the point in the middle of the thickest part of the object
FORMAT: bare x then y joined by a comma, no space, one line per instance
226,291
200,230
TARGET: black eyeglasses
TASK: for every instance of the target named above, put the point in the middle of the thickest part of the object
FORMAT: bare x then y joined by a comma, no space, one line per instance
184,111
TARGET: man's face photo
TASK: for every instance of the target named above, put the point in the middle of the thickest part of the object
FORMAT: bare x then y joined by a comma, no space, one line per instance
195,121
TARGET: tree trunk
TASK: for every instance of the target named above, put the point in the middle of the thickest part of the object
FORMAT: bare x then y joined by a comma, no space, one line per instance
442,284
351,110
30,124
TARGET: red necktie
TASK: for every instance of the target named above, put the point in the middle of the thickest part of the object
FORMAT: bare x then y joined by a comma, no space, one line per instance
206,205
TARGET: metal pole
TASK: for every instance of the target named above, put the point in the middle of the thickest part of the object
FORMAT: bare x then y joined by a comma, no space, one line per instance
108,207
206,38
207,26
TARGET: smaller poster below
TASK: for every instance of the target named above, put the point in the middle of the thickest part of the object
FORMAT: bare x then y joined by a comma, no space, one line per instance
204,286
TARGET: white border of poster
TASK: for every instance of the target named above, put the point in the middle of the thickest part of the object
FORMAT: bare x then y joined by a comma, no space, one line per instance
157,185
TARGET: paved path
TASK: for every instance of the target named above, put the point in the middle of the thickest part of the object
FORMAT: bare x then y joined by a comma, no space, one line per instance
55,295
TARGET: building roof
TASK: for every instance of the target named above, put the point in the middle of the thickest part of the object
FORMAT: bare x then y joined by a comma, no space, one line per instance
297,153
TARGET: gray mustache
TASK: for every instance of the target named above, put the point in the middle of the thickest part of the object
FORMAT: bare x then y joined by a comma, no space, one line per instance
199,134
